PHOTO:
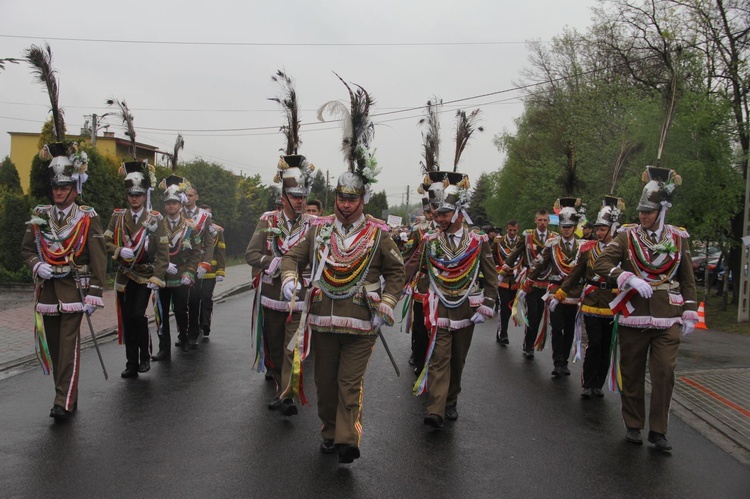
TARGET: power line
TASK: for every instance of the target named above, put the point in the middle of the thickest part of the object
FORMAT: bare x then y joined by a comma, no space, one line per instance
266,44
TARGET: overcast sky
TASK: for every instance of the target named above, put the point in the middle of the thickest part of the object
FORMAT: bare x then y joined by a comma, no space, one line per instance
414,51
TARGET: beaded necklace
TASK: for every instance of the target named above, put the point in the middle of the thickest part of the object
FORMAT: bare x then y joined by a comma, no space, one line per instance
451,278
641,260
72,244
562,263
345,269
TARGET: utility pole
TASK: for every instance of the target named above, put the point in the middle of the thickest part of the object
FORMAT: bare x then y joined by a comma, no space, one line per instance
95,121
406,211
743,308
328,187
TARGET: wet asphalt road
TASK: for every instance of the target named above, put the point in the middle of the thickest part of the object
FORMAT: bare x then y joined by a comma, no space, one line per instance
199,427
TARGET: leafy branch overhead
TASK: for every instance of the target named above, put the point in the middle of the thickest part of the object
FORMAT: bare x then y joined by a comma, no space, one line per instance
40,59
465,127
288,102
127,119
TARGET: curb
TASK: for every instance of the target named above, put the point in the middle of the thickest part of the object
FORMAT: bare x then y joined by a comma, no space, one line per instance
29,361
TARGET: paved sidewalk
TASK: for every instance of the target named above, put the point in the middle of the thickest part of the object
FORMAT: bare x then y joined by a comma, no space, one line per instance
17,325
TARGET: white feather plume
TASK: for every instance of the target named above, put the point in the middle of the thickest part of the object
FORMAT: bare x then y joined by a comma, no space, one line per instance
338,111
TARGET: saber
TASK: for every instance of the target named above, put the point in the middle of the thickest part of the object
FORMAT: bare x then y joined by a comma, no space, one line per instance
388,351
88,319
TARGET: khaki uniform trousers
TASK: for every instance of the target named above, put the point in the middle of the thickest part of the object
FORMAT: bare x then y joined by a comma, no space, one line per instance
340,363
659,346
63,340
446,367
276,335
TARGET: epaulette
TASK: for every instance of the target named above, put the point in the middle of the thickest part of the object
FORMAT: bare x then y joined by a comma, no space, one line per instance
551,241
588,245
88,210
479,235
378,223
42,208
528,232
680,231
267,215
627,228
321,220
431,235
218,227
155,214
119,212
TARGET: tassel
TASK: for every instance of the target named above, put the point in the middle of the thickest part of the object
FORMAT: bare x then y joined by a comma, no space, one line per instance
40,343
614,377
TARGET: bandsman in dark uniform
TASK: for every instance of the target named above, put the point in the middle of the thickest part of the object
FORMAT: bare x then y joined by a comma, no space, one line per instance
650,264
507,283
357,278
202,223
137,241
528,252
214,276
557,260
64,248
595,298
184,253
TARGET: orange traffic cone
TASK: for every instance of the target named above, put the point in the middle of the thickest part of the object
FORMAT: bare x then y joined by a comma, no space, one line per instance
701,317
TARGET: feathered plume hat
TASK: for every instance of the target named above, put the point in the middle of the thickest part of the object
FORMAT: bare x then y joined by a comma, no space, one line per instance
431,191
358,132
139,178
67,165
609,214
659,188
569,210
294,171
455,184
174,188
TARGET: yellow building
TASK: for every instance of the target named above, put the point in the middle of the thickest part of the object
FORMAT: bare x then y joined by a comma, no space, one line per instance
24,146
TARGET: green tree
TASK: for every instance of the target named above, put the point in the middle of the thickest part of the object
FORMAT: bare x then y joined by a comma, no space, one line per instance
253,199
378,203
14,212
216,187
10,181
478,202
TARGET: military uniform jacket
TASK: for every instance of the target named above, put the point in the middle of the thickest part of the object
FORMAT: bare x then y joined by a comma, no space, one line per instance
202,221
273,238
184,250
554,266
453,274
348,293
149,243
597,291
76,240
416,279
665,265
529,249
219,260
502,247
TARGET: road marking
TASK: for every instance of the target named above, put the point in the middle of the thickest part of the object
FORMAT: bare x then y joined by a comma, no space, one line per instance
716,396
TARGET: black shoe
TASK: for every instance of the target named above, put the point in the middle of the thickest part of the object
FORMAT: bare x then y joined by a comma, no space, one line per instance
504,342
556,372
633,435
587,393
659,440
598,393
434,421
178,343
193,344
58,413
206,333
129,372
529,354
348,453
161,355
451,413
411,360
269,376
327,447
275,404
144,366
564,370
288,408
184,345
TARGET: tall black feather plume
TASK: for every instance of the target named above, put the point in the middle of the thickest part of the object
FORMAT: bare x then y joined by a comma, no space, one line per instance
6,60
127,120
288,102
431,136
179,144
465,127
40,59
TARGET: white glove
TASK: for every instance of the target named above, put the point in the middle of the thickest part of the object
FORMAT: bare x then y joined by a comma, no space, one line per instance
553,303
689,320
644,289
186,281
274,265
289,289
477,318
377,322
200,272
44,270
153,286
219,278
172,269
500,279
521,294
126,253
89,309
